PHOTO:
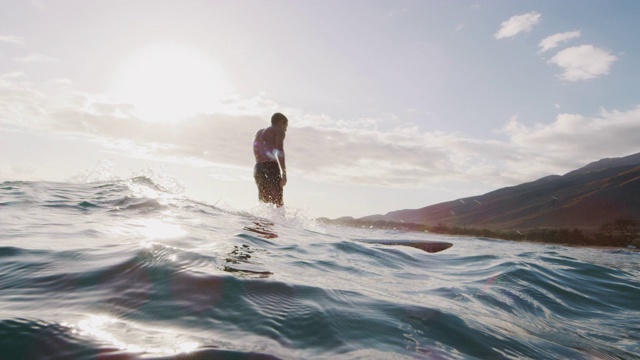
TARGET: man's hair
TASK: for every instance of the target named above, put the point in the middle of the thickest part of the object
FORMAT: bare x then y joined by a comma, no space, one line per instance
277,117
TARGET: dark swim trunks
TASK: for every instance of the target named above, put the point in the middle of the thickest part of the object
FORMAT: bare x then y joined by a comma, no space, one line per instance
267,175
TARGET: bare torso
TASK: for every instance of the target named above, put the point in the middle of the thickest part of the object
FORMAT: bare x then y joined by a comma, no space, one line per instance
266,142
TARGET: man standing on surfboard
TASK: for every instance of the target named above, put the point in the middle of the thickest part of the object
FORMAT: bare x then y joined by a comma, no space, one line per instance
270,171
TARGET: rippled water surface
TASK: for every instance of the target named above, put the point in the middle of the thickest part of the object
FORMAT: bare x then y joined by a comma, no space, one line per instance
125,269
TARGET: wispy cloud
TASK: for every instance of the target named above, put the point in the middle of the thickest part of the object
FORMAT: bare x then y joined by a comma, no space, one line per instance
12,75
517,24
12,39
583,62
35,58
554,40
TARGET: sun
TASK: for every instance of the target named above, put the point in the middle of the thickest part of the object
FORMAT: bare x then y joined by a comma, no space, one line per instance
169,82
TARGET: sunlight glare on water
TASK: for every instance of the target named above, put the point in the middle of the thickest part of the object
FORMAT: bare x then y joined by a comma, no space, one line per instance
105,329
158,229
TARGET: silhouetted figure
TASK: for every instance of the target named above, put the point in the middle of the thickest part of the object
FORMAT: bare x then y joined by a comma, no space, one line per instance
270,171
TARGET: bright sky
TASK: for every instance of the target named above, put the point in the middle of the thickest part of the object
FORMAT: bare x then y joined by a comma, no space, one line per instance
391,104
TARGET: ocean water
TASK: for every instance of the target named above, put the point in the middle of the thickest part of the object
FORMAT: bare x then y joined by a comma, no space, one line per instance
131,269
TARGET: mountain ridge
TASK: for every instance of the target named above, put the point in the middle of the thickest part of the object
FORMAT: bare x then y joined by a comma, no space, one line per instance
602,191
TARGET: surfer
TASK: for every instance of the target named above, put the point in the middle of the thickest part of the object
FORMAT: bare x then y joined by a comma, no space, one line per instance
270,171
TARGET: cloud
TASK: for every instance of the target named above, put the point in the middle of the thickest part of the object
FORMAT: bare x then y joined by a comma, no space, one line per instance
554,41
325,149
12,75
12,39
575,138
318,147
583,62
35,58
517,24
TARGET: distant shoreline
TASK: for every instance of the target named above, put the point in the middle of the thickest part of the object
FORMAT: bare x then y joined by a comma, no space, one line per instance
553,236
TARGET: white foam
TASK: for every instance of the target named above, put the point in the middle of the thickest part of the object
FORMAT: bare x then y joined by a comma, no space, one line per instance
287,216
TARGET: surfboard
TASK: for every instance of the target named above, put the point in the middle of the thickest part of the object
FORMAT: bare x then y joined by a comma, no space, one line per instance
428,246
263,229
